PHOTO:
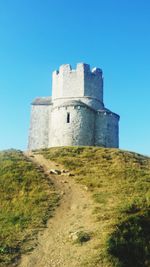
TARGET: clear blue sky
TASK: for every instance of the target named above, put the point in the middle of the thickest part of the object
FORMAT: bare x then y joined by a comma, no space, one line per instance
37,36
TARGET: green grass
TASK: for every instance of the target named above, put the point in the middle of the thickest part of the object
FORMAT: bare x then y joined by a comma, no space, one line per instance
120,185
27,200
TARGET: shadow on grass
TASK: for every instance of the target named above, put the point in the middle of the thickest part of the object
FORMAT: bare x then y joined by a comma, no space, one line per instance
130,243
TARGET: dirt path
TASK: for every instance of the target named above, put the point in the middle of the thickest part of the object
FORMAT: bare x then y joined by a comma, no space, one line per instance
55,245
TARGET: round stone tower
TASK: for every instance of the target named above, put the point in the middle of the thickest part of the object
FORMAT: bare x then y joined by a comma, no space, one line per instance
76,94
72,124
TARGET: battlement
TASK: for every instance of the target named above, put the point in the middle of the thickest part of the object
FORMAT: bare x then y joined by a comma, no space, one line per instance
80,82
81,67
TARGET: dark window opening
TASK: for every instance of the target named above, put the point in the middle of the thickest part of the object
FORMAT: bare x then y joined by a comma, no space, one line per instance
68,117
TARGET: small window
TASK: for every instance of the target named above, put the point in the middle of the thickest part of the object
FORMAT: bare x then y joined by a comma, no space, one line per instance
68,117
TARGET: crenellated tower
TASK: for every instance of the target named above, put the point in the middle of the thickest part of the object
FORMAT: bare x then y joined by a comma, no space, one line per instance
80,83
75,114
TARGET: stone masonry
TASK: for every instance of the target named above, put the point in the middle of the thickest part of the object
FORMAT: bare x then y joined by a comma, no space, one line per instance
75,115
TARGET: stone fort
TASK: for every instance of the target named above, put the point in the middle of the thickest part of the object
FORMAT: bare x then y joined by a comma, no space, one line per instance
75,115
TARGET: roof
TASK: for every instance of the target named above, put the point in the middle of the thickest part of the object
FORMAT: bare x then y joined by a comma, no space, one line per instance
107,111
73,103
46,101
42,101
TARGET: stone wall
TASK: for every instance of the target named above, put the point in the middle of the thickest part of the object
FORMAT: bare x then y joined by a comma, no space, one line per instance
93,84
78,131
106,129
67,82
77,83
39,126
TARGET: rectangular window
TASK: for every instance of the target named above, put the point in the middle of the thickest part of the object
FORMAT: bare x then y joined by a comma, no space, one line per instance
68,117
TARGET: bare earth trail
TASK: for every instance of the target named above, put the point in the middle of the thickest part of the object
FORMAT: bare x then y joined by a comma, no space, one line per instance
55,245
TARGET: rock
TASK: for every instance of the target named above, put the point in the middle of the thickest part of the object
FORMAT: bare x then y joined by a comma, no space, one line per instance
80,237
86,188
71,174
64,182
64,171
56,172
74,236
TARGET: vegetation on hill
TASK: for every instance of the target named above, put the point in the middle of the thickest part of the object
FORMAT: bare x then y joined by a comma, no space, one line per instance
120,184
27,200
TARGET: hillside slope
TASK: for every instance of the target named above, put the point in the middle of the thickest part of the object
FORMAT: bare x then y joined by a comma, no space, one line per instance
27,200
119,183
103,218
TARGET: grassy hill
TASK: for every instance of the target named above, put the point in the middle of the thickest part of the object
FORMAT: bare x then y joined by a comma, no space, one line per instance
120,185
27,200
